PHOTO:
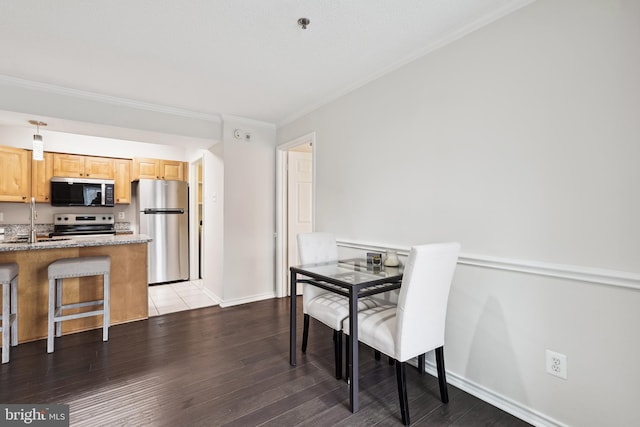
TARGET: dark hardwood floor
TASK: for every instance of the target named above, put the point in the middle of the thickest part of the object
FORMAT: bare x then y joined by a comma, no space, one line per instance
222,367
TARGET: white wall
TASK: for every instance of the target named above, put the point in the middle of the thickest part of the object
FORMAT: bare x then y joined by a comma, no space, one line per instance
521,142
213,223
249,206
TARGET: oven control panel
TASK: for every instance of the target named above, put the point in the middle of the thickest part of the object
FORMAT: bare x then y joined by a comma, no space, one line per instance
83,219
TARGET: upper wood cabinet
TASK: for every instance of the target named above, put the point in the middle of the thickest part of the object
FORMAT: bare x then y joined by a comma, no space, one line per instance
171,169
15,174
77,166
123,181
41,173
144,168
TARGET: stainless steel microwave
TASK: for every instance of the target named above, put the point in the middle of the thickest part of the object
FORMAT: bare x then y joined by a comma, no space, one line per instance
82,192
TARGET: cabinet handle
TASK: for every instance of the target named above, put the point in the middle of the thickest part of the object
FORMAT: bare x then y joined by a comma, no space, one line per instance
24,197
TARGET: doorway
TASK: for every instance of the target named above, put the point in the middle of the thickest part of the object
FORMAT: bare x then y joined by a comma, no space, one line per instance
295,203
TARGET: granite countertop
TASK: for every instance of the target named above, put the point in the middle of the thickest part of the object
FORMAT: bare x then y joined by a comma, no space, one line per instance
74,242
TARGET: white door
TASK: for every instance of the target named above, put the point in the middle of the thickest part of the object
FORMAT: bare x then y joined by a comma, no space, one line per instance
300,201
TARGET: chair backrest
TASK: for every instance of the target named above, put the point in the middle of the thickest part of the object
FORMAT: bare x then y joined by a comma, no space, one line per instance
314,248
422,303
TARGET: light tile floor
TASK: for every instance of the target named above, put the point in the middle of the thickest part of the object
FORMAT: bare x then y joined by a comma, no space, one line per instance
179,296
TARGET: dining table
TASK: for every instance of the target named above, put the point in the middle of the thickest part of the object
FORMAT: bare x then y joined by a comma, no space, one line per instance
352,278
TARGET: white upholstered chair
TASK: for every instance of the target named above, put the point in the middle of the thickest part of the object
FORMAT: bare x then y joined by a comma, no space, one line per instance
416,325
324,306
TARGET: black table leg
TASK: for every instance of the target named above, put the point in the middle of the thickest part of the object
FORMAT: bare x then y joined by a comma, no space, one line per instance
353,349
292,321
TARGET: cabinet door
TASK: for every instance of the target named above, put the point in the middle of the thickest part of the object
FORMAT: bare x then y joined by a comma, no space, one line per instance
171,169
41,173
68,165
98,167
146,169
123,181
15,174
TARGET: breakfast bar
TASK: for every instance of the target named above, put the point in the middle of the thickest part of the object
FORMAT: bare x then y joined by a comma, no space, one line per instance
128,283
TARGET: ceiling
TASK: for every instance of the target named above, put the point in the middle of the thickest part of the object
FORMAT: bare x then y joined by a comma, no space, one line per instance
247,58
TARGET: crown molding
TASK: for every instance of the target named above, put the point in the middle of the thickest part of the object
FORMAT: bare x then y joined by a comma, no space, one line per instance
106,99
247,121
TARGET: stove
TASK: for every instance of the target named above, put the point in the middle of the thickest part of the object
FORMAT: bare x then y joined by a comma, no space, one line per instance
72,224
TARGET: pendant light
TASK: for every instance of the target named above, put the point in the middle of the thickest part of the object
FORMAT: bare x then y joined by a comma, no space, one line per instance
38,143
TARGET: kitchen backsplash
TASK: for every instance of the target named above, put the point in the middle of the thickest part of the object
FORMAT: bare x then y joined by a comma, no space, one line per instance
13,231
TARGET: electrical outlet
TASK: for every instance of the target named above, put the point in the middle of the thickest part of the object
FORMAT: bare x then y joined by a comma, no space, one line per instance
557,364
120,215
1,216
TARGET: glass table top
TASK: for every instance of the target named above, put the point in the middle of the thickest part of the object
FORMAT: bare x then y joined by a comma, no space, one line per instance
352,271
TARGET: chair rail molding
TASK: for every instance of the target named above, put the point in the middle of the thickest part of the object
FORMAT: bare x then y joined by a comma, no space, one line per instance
598,276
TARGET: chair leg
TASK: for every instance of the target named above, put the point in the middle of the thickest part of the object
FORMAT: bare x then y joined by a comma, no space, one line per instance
305,333
376,354
337,344
402,392
442,378
421,364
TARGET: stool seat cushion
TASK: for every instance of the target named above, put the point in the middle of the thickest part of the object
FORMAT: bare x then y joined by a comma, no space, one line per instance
79,267
8,272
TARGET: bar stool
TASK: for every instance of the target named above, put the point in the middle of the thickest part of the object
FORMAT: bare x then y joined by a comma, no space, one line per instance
9,282
76,267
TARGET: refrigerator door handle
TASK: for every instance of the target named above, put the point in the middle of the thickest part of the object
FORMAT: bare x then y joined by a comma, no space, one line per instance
163,211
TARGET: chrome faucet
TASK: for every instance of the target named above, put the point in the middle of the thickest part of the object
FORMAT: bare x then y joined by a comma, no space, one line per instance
32,231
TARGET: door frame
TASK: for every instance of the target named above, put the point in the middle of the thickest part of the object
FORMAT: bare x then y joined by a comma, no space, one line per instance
281,270
195,255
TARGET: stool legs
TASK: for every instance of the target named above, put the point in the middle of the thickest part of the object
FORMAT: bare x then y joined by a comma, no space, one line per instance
6,323
52,312
106,317
58,305
56,316
9,317
14,311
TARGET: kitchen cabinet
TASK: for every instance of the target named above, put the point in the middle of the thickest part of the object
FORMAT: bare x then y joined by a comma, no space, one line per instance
144,168
78,166
123,181
41,173
15,174
171,169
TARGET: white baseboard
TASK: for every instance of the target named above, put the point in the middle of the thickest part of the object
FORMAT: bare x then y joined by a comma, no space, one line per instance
245,300
211,295
499,401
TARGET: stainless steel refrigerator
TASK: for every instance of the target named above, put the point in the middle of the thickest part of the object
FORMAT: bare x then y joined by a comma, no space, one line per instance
164,216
